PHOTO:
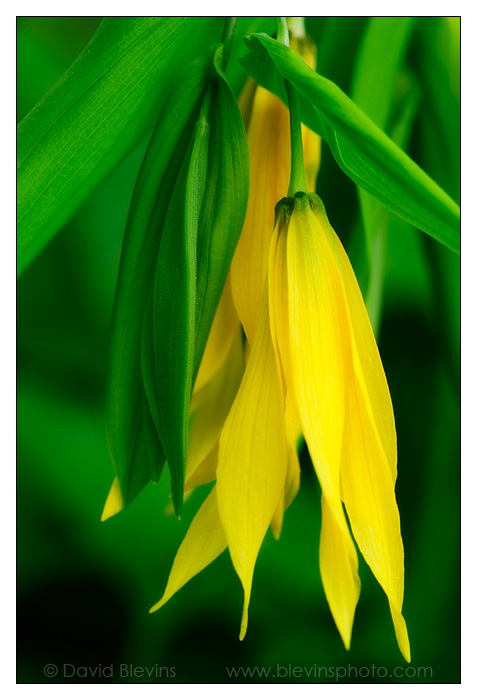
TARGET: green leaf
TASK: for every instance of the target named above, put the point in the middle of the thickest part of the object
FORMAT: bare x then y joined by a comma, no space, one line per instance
96,114
236,76
147,457
438,69
203,223
224,208
361,149
169,329
338,39
129,424
438,127
379,60
380,56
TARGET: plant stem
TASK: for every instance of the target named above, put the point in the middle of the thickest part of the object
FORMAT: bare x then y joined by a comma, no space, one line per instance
282,31
297,175
229,31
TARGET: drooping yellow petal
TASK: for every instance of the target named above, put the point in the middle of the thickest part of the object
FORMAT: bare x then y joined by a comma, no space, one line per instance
269,148
278,294
317,372
338,559
369,457
210,405
114,502
292,482
319,347
276,523
368,492
252,463
268,134
290,490
221,336
367,361
246,352
206,471
204,541
292,422
278,307
339,573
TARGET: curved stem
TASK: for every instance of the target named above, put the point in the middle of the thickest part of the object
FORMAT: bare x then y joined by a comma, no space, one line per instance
229,31
282,31
297,175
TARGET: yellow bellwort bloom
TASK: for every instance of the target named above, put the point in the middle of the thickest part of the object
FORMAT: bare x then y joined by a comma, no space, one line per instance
333,372
268,133
314,368
314,355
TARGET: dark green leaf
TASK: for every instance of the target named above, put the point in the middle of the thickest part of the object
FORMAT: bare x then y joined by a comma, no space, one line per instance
380,56
224,208
236,76
128,422
338,39
438,69
168,343
361,149
203,223
95,115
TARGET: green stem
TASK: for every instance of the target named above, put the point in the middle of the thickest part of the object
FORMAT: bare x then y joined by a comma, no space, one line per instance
297,175
229,31
282,31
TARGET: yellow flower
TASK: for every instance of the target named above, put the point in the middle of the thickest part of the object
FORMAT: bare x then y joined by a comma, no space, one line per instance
332,369
313,369
313,361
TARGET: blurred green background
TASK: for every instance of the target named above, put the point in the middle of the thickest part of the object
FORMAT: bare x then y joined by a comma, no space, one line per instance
85,587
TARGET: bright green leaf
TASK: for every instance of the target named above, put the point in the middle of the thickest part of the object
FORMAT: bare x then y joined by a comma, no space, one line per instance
95,114
361,149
